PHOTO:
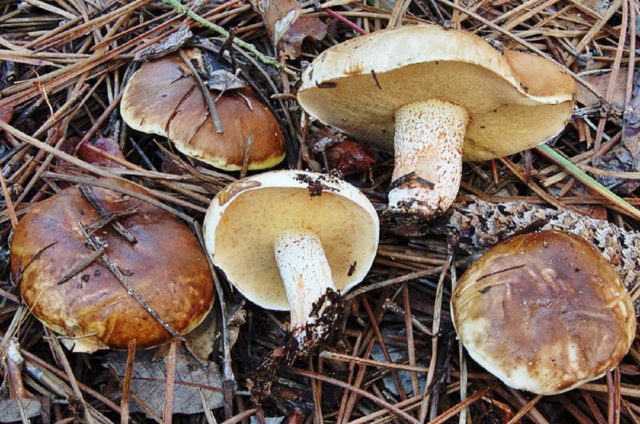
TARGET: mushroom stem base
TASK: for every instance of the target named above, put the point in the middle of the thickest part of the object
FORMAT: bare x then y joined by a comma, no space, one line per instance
308,283
428,143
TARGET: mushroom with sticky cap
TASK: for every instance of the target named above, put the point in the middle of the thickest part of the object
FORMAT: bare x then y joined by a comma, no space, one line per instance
435,96
544,312
70,289
163,98
291,240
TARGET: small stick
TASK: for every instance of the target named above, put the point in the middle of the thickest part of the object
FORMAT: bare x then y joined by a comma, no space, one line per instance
245,156
87,192
524,410
8,202
84,263
213,112
108,219
131,290
126,383
59,353
167,408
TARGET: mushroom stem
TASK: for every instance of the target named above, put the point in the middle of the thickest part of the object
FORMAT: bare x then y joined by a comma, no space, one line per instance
306,275
429,136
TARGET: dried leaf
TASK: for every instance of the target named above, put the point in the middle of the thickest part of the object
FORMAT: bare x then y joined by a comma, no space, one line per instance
168,45
222,80
600,83
303,27
108,145
200,341
350,157
148,382
10,410
278,16
286,27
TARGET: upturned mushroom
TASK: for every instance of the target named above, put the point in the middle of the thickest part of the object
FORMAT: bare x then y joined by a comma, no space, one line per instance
163,98
64,253
435,96
544,312
291,240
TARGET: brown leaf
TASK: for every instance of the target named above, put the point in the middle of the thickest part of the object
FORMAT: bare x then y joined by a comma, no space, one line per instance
168,45
303,27
149,380
109,145
278,16
286,27
350,157
600,83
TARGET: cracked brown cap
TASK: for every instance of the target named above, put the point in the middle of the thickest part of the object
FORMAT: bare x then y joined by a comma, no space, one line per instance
514,100
166,266
163,98
544,312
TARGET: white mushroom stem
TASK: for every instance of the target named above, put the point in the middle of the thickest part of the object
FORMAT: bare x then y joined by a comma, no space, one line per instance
305,272
428,142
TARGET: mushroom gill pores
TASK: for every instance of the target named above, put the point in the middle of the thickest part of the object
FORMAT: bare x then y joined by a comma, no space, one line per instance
435,96
543,312
285,239
163,98
166,265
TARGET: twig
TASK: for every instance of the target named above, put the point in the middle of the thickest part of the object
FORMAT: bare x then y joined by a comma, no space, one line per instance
131,290
84,263
213,112
87,193
524,410
8,202
167,408
59,353
126,382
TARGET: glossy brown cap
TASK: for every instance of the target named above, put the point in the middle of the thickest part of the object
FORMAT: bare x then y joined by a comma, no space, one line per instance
166,265
544,312
162,97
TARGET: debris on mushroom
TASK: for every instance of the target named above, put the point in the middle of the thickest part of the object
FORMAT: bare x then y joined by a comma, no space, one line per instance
163,97
435,96
293,240
544,312
67,250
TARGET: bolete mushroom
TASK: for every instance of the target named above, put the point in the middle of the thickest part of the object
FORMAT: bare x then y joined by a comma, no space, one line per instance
68,286
163,98
288,240
435,96
543,312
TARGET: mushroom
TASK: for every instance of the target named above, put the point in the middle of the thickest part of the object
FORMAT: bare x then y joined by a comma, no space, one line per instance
288,240
69,287
544,312
426,92
163,98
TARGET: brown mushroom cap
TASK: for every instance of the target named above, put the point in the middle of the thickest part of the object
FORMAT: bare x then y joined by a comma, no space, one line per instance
166,265
514,100
544,312
163,98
